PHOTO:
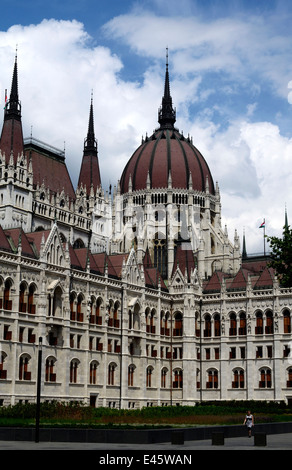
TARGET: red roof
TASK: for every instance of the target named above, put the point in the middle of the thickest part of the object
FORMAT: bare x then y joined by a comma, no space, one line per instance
167,152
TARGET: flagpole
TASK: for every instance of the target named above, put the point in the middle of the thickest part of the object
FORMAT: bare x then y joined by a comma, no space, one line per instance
265,240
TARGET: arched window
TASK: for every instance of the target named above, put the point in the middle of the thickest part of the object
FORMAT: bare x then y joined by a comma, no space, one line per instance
289,379
269,329
160,255
73,371
72,306
57,302
242,324
111,373
207,329
232,328
259,329
7,303
3,371
238,378
50,375
287,321
265,378
149,371
164,372
131,370
22,297
217,325
93,372
24,373
212,378
178,323
79,308
30,299
178,378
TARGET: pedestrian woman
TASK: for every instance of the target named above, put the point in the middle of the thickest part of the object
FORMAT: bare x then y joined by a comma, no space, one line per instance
249,422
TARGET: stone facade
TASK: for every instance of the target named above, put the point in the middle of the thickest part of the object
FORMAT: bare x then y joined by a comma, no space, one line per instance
139,297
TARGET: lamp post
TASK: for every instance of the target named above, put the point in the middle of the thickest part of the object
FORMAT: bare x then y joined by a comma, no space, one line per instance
37,420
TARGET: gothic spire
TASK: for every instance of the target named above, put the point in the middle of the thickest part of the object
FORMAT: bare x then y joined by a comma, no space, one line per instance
90,143
13,107
89,175
166,113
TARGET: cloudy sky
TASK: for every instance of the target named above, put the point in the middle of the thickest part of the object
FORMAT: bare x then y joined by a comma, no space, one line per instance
230,68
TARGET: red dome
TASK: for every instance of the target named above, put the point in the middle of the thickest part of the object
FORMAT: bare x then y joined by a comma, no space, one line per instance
167,152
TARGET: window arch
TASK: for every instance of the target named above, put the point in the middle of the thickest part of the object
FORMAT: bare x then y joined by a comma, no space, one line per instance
232,325
178,324
131,371
269,329
178,378
207,328
265,378
149,372
160,254
93,372
57,302
3,371
286,321
212,378
289,378
242,324
164,375
50,375
74,371
23,372
7,303
238,378
22,296
111,373
217,325
30,299
259,328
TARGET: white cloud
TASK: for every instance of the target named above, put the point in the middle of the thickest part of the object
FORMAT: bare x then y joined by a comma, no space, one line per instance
59,65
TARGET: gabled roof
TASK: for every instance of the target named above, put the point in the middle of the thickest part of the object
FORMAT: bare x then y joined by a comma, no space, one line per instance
184,259
266,279
214,284
16,236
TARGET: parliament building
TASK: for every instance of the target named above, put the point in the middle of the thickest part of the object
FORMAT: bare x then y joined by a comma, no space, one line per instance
136,295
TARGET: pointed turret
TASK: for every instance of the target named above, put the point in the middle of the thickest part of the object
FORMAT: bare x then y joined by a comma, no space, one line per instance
166,113
89,172
12,136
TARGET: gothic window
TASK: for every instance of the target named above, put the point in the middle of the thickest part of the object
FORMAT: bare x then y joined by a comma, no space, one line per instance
149,371
207,329
160,255
287,321
178,324
265,378
217,325
289,379
111,374
73,371
3,371
242,324
131,370
178,379
212,378
50,375
57,302
238,378
259,329
30,299
164,377
22,297
7,303
232,327
269,329
93,372
24,373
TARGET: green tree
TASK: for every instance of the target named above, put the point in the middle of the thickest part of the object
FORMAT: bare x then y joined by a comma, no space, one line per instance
281,256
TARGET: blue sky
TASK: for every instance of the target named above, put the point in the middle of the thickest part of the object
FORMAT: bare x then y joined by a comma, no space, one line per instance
230,69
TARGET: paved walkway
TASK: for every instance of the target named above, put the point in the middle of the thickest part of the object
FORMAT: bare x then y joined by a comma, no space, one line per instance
273,442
